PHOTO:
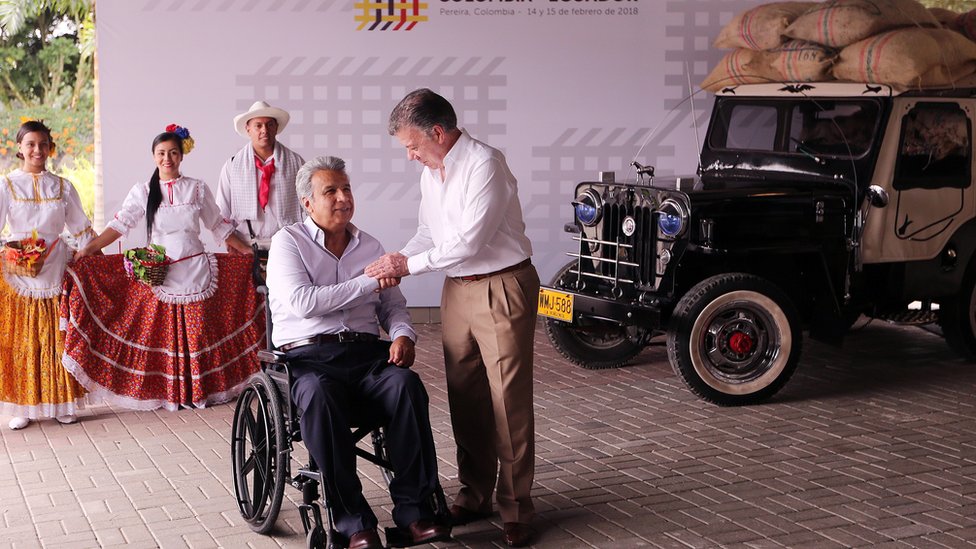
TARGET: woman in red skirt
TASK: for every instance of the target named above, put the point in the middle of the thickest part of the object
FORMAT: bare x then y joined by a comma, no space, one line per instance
188,341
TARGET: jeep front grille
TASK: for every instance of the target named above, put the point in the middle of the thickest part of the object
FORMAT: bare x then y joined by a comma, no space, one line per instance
618,258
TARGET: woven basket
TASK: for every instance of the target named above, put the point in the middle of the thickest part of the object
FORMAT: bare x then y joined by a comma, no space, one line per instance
155,271
21,269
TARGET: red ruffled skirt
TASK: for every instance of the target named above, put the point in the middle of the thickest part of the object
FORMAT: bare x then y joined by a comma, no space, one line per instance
132,350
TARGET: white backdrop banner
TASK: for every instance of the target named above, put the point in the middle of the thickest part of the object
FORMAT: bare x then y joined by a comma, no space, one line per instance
566,88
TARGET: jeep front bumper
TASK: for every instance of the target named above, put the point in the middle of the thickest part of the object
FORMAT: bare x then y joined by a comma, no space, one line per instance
566,306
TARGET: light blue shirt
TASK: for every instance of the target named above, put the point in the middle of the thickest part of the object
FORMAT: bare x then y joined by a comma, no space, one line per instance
311,291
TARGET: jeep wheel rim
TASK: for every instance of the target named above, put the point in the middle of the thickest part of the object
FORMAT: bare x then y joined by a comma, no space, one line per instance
740,343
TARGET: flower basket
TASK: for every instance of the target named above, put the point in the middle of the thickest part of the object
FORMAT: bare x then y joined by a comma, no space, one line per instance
25,257
147,265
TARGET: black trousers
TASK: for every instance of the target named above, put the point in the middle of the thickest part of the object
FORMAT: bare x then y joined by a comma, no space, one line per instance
337,383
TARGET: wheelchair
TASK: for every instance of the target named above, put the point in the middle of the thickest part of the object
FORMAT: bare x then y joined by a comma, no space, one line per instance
265,429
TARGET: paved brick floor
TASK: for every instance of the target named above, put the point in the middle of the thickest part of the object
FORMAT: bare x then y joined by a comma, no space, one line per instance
873,446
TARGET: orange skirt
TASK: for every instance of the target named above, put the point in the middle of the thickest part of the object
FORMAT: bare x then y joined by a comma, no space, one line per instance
33,382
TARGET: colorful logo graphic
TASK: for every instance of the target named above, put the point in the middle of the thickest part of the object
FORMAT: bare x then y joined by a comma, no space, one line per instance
390,14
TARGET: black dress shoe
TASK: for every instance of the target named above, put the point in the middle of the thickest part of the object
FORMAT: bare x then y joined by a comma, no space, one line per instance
518,534
423,531
461,515
365,539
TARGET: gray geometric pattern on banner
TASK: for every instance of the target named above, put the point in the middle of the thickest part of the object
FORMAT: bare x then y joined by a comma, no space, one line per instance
697,24
344,103
243,6
575,156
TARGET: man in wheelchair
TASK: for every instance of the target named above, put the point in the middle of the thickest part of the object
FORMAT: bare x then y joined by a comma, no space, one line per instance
326,317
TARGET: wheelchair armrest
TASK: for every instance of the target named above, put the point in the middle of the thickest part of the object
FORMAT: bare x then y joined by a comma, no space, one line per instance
271,357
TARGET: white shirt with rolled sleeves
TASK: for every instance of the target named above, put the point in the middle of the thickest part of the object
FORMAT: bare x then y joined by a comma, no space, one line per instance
311,291
471,222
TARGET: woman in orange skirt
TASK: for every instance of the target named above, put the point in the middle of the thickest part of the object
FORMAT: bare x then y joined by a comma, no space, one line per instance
36,203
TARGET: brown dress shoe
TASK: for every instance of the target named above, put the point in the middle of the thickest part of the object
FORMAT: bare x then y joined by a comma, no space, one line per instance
461,515
365,539
518,534
423,531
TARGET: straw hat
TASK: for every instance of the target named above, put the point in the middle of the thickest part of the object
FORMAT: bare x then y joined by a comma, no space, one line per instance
260,109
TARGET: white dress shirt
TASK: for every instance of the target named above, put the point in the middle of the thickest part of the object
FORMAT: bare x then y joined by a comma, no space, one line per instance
47,204
471,222
311,291
176,226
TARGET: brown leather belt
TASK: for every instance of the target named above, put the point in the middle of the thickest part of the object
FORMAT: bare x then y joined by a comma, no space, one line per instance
517,266
341,337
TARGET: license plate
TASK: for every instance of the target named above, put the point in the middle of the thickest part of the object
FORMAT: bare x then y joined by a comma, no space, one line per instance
558,305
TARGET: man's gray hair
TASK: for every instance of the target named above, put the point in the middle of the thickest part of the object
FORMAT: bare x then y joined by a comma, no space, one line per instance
303,181
422,109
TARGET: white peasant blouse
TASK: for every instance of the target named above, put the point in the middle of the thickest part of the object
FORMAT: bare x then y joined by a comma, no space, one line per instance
186,203
48,204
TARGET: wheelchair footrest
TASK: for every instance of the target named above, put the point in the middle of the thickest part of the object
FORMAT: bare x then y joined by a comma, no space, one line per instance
398,537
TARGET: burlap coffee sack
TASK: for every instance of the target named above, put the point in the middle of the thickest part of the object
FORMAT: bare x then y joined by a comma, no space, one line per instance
947,18
742,66
909,58
799,61
966,24
839,23
762,27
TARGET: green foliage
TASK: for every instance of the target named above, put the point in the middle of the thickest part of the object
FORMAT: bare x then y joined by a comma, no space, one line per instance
72,130
81,174
46,49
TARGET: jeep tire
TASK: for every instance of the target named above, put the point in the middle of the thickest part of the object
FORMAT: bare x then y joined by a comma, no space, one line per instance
592,344
734,339
957,316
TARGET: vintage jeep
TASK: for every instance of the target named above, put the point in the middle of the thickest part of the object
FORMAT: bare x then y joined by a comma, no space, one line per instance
814,204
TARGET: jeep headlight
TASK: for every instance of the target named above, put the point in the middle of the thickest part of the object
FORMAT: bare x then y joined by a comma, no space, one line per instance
589,207
672,218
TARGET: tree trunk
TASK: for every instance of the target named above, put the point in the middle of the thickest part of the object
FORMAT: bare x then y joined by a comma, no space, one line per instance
53,85
82,74
15,90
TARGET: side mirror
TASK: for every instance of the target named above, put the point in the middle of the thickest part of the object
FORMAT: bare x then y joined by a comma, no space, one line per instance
877,196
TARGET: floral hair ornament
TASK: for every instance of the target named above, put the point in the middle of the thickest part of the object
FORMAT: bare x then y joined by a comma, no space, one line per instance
184,134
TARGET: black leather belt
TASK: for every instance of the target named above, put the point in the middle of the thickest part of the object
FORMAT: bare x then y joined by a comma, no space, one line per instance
517,266
341,337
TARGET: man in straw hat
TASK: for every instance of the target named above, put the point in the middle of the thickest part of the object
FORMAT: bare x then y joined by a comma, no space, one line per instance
256,189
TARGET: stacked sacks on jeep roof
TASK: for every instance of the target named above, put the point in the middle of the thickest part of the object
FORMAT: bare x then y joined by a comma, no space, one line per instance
761,52
896,42
909,58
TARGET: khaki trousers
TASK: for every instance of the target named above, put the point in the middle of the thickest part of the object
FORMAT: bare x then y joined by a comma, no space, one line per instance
489,332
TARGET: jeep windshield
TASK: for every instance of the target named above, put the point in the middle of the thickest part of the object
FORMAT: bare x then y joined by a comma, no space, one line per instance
817,138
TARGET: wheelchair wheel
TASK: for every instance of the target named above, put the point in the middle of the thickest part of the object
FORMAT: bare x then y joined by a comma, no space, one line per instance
318,539
259,453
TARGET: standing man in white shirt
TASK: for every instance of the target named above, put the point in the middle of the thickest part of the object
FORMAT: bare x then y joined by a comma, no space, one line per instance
471,229
256,188
326,317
